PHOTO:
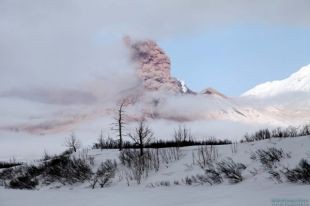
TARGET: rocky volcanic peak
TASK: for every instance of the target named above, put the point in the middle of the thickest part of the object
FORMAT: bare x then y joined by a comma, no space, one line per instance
214,92
153,66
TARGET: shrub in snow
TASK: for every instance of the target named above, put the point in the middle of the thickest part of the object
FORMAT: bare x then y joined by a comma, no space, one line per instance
104,174
66,169
62,168
188,180
9,164
206,155
22,177
23,182
231,170
84,156
300,174
275,175
210,177
305,131
277,133
268,157
73,143
176,182
128,157
171,154
159,184
139,166
164,183
214,176
6,174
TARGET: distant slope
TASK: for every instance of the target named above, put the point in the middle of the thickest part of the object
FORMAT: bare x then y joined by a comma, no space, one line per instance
297,82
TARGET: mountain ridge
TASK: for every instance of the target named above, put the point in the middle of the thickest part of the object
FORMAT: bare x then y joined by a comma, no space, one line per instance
296,82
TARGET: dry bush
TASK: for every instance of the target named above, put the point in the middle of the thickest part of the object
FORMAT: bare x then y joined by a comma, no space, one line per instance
104,174
66,170
170,154
300,174
138,166
231,170
269,157
205,156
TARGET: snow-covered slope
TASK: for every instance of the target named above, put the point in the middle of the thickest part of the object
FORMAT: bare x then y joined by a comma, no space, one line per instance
297,82
257,188
286,101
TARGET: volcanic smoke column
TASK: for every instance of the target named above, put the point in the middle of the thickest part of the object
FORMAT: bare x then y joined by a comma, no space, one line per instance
153,66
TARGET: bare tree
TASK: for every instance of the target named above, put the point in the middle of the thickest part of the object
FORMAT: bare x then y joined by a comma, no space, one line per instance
305,130
73,143
182,134
119,124
101,141
142,136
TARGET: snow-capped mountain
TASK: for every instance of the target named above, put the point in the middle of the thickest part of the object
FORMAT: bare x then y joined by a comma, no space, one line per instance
286,101
297,82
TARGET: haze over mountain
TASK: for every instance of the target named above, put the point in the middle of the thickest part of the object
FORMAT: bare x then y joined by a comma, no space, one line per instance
153,93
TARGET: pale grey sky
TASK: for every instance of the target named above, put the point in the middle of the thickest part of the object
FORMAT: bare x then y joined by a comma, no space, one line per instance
66,44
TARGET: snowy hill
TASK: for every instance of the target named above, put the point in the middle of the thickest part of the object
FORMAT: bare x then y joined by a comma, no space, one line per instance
184,181
297,82
287,100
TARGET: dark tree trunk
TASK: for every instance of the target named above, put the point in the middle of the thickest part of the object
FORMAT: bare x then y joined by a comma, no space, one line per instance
141,150
120,132
120,126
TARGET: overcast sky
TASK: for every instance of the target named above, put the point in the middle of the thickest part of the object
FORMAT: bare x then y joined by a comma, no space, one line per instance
228,44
